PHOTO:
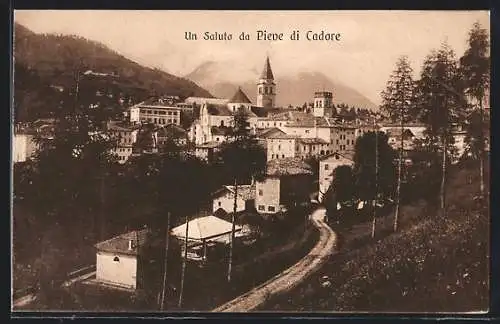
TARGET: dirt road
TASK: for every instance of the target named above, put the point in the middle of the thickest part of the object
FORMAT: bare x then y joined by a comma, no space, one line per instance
292,276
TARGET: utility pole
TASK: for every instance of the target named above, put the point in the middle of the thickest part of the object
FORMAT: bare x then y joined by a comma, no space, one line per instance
184,262
400,169
374,221
235,206
165,263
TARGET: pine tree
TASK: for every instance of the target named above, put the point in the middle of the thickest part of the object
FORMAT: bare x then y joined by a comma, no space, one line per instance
440,103
475,66
398,104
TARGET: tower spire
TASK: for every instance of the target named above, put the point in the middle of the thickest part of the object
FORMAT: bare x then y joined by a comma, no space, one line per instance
267,73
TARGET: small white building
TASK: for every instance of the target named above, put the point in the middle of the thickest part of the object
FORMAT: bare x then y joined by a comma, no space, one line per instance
23,147
327,168
118,260
224,198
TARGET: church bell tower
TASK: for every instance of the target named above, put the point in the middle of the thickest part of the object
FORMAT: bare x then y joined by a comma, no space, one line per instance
266,88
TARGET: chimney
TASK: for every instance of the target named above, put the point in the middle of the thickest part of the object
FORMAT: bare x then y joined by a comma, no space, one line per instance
130,245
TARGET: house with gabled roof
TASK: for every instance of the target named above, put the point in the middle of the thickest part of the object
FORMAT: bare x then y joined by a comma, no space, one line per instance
224,198
287,182
119,259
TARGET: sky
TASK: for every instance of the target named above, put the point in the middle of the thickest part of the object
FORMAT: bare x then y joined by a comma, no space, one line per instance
363,58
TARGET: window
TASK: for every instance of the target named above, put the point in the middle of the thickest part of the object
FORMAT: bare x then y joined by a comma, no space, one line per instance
220,203
261,192
327,166
262,207
272,156
169,113
279,147
260,90
221,123
283,155
271,208
116,259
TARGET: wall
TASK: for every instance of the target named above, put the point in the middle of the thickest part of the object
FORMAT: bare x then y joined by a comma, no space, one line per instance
227,203
326,174
280,148
267,194
23,147
121,273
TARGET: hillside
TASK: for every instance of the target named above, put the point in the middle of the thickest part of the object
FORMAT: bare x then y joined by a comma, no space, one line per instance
433,264
291,89
45,60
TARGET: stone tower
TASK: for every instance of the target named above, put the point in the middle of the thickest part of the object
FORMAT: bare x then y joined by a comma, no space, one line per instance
266,88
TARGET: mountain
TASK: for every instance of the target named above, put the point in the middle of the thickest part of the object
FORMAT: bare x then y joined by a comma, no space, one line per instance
44,60
296,89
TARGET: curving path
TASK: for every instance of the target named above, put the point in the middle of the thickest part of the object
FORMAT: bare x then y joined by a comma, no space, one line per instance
292,276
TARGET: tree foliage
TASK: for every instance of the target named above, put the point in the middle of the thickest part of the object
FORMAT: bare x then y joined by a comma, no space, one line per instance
398,97
374,167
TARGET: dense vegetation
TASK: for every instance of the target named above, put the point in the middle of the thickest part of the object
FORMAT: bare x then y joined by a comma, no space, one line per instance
433,264
46,61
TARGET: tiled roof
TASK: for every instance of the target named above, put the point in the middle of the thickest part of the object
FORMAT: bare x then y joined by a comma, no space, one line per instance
288,166
340,157
202,100
120,244
313,141
224,131
266,132
263,111
245,192
121,126
282,136
219,110
240,97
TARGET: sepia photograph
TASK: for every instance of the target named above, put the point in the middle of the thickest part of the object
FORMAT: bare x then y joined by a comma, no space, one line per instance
173,161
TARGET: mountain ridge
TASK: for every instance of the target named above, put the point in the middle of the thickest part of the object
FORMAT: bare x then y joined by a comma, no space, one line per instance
294,89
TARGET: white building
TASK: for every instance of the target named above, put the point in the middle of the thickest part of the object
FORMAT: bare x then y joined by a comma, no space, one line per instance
224,198
118,260
125,136
327,168
23,147
157,112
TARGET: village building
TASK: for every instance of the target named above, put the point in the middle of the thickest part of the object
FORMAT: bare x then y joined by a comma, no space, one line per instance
287,183
281,146
224,198
156,111
203,234
125,135
207,151
119,260
323,104
327,166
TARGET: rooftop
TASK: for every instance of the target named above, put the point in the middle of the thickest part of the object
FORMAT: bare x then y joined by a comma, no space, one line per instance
218,109
267,132
202,100
245,192
204,228
313,141
240,97
288,166
120,243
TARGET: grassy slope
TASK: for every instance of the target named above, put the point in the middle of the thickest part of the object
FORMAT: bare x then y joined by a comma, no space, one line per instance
432,265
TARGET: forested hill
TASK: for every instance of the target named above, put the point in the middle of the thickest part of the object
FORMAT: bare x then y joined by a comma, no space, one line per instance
46,63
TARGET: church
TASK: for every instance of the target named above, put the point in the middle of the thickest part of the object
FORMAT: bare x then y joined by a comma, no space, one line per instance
216,117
